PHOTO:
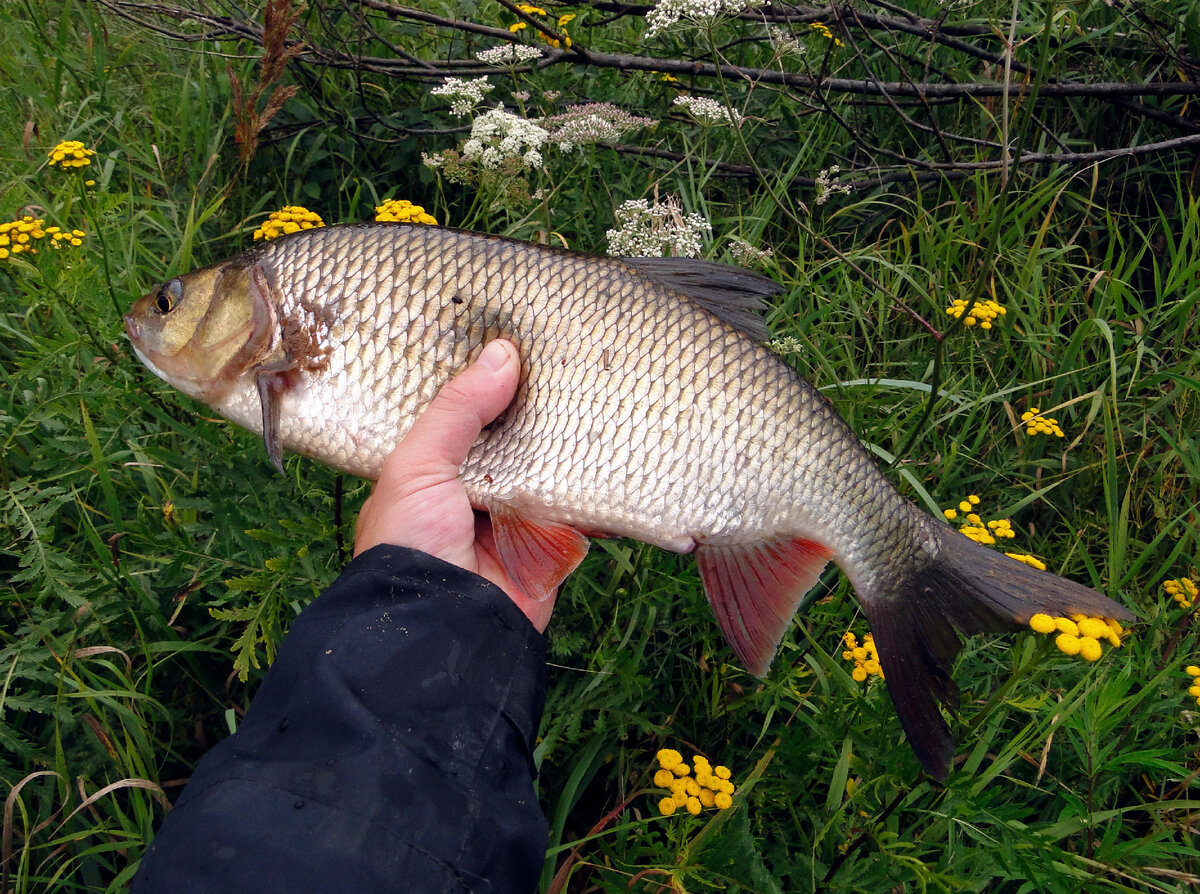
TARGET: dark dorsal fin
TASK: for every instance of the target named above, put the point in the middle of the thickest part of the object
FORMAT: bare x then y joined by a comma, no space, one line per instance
733,294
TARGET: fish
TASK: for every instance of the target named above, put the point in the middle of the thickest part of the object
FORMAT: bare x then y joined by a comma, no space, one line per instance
649,407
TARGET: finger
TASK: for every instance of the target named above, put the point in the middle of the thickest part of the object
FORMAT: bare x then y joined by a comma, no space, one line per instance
439,440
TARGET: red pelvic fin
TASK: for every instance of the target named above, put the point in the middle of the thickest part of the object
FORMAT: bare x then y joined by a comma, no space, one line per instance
537,555
755,590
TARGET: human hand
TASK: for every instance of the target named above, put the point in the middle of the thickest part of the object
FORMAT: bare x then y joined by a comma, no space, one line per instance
419,502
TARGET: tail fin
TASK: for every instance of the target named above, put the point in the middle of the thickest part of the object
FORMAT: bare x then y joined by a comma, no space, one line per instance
966,589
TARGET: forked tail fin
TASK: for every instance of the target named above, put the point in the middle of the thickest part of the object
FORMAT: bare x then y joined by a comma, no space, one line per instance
966,589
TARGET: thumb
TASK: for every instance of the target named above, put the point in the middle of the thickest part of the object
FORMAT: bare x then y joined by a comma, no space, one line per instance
439,440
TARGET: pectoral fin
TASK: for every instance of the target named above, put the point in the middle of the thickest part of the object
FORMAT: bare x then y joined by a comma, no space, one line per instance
538,555
754,591
271,386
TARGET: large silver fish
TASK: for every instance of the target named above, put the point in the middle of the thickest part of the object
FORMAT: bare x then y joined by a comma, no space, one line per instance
648,408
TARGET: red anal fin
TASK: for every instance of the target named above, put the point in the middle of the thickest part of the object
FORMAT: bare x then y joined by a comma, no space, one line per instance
754,591
537,555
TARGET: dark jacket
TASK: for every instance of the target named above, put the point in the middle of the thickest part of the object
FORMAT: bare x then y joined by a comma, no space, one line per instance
388,749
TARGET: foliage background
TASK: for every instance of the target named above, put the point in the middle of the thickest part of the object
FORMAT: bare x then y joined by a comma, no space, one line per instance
1039,154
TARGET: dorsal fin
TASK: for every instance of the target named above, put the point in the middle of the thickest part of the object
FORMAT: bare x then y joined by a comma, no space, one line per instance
734,294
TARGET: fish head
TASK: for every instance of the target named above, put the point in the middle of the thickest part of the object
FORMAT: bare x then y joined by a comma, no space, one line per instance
201,332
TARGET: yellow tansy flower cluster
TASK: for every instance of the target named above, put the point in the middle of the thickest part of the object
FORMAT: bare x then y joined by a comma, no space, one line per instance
24,236
1183,591
823,30
1079,634
710,787
976,528
865,657
403,211
982,312
560,26
1037,424
1194,690
289,219
71,154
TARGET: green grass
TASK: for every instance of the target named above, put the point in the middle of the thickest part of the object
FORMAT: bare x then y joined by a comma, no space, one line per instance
151,560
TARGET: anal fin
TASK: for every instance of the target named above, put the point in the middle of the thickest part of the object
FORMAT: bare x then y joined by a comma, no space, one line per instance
538,555
754,591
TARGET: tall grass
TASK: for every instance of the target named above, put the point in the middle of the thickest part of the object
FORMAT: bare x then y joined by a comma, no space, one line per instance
151,560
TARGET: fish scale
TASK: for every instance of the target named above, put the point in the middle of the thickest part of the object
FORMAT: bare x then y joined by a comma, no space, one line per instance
648,407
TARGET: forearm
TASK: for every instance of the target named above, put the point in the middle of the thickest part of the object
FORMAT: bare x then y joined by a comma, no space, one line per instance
390,745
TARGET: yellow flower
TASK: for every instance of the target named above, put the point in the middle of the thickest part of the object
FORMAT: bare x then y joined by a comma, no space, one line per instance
566,41
669,758
1067,643
71,154
1183,591
1037,424
1095,628
22,236
1079,634
865,657
403,211
1043,623
1089,648
1067,626
1001,528
982,312
1031,561
824,31
289,219
709,787
1194,689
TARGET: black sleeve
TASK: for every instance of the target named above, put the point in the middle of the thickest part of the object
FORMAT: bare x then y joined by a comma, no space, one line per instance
389,748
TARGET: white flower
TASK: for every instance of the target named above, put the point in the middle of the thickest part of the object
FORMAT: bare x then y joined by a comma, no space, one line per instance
596,122
745,253
827,185
783,43
708,111
652,231
667,12
509,54
498,135
463,95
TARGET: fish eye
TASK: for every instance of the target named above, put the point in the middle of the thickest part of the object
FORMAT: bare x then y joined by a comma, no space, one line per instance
168,296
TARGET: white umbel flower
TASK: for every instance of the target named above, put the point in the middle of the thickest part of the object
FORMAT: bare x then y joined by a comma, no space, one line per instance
509,54
667,12
708,111
658,230
498,135
463,95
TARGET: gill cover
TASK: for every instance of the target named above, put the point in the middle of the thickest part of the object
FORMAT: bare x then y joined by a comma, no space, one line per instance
204,331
